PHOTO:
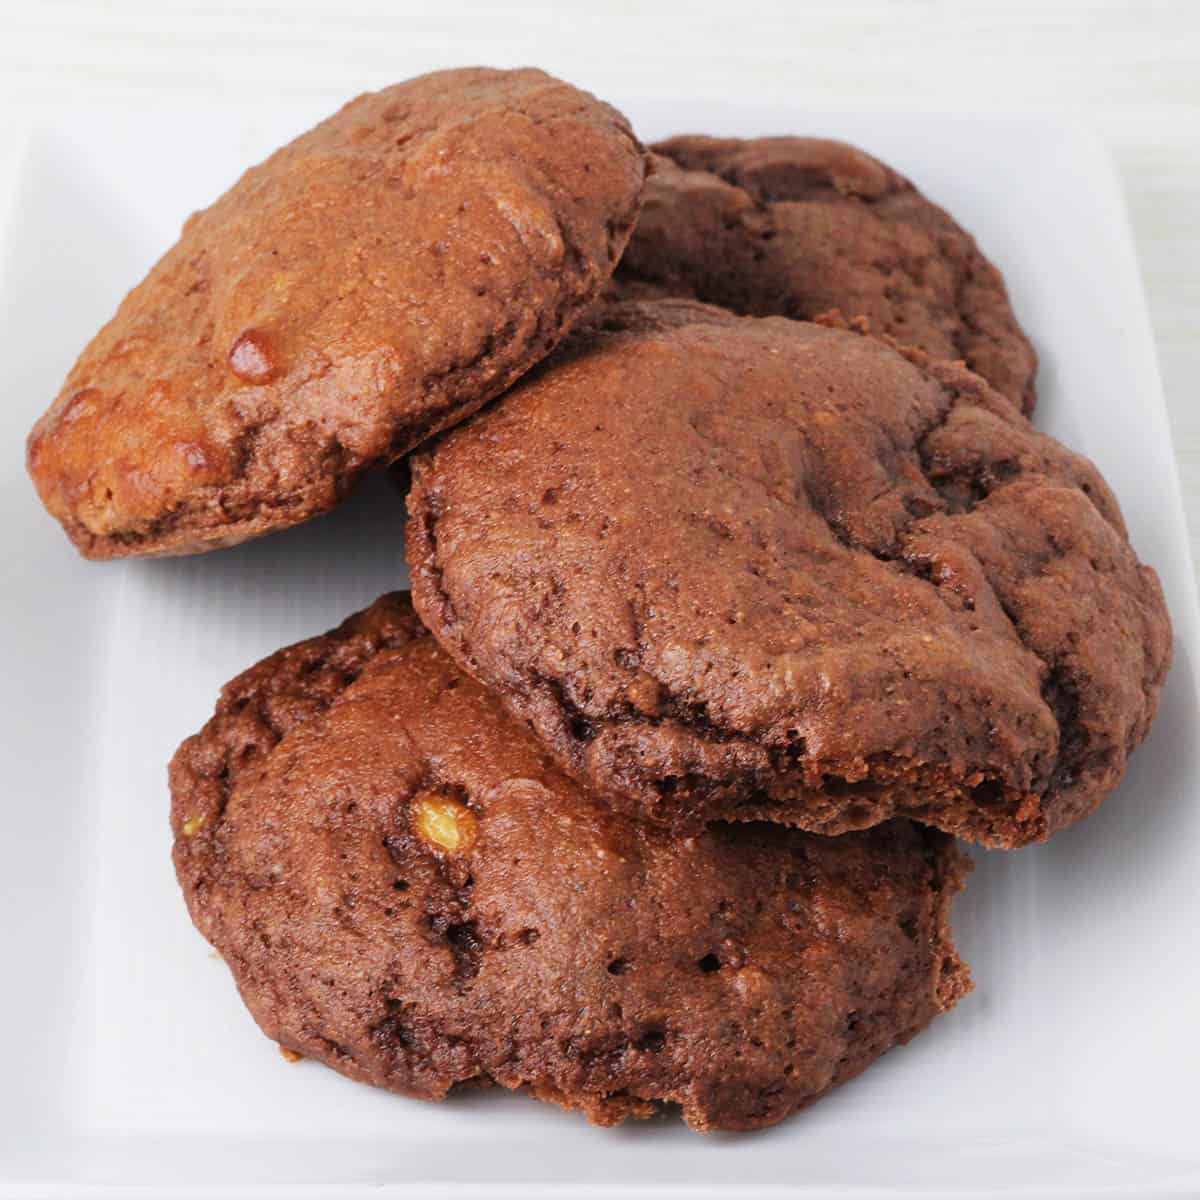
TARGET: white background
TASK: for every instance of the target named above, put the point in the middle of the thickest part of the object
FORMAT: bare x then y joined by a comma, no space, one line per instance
1129,68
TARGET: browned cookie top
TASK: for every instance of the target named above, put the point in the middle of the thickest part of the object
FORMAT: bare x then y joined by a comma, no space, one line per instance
741,568
405,888
374,281
796,227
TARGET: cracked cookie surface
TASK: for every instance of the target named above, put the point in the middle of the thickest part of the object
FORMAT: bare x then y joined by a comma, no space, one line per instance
740,568
405,888
797,227
370,283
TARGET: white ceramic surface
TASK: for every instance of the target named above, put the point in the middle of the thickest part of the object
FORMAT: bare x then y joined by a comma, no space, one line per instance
130,1066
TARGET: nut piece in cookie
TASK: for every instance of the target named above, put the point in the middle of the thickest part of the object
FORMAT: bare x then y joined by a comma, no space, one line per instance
372,282
406,889
738,568
797,227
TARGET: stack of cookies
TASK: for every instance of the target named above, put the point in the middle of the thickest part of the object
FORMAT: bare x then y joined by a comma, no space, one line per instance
742,585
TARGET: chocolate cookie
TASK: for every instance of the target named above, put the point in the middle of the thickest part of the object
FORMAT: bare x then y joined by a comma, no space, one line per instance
406,889
796,227
747,568
372,282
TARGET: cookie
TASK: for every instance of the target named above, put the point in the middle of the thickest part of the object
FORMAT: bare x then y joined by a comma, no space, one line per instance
372,282
406,889
796,227
754,568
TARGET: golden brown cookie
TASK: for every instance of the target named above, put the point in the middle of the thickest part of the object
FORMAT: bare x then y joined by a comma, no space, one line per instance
372,282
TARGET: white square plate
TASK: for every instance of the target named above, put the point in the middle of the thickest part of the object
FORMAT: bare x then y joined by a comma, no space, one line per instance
130,1065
